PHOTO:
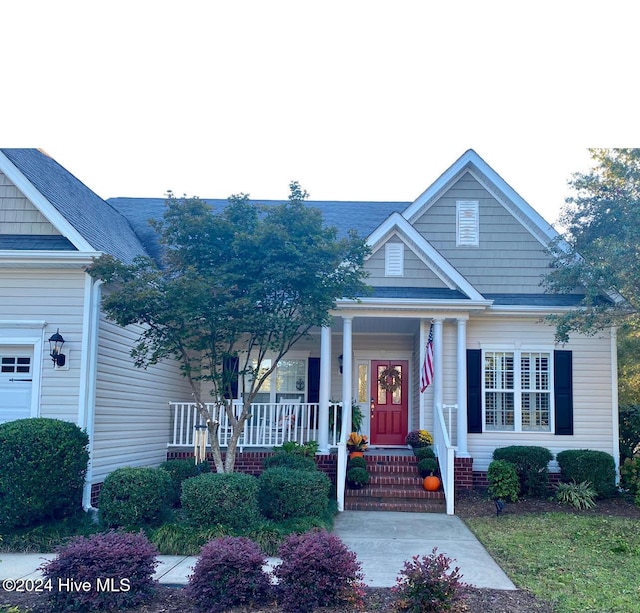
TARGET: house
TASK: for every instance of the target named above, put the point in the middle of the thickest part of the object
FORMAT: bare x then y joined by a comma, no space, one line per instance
461,265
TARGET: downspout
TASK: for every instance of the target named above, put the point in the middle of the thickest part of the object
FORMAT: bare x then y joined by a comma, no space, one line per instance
90,350
615,409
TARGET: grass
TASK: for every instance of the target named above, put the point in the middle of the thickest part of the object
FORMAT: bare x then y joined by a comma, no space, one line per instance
581,563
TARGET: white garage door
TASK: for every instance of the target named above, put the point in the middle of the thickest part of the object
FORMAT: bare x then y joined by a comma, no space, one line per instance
16,382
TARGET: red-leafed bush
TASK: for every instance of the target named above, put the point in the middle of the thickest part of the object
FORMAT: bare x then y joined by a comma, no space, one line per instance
228,573
317,570
116,567
426,585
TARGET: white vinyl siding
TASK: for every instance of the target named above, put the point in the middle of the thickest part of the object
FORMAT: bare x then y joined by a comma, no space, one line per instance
55,297
592,375
394,260
132,420
467,223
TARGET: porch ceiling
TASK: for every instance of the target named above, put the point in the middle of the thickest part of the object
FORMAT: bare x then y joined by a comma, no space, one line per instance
381,325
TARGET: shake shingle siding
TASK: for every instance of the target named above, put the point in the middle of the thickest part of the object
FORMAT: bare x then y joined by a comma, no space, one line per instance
508,259
99,224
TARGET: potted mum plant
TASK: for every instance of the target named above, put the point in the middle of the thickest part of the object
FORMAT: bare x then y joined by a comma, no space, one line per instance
357,444
417,439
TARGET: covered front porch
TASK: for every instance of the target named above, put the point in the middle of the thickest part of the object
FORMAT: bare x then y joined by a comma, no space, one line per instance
351,353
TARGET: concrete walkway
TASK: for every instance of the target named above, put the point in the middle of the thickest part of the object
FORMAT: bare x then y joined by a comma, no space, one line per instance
382,542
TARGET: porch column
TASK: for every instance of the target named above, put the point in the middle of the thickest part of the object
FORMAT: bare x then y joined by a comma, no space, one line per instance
347,371
461,389
325,389
437,362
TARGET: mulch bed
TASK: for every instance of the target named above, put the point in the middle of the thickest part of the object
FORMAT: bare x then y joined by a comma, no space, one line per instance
468,504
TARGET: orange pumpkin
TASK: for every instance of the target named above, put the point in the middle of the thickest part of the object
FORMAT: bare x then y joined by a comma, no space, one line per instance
431,483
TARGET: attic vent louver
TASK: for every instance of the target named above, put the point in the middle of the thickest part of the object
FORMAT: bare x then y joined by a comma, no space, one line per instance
468,227
394,260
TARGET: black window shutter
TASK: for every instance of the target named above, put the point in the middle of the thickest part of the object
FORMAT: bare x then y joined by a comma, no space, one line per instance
563,391
474,390
230,367
313,379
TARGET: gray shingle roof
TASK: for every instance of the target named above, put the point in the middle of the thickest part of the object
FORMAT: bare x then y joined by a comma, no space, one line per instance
418,293
363,217
35,242
98,223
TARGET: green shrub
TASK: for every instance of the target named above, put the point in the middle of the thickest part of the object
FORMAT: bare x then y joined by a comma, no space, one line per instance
122,563
597,467
181,470
134,496
504,483
285,493
289,460
578,495
357,477
630,475
229,499
531,463
422,453
426,585
629,420
182,539
427,466
307,449
43,463
357,462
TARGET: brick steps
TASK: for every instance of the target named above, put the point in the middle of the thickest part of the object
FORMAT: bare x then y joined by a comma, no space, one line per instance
394,485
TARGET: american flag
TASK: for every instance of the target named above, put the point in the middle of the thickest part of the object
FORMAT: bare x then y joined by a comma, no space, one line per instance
426,376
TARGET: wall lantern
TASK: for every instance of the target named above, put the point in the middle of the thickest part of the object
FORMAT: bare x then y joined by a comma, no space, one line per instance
55,347
340,362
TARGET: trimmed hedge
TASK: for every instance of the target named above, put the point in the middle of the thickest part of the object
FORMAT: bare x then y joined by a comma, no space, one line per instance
422,453
118,567
229,573
318,570
531,462
294,461
357,462
43,463
285,493
229,499
181,470
134,496
596,467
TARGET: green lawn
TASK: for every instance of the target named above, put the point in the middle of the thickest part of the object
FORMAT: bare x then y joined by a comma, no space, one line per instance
581,563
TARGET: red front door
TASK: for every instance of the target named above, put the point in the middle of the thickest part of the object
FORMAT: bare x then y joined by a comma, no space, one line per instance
389,410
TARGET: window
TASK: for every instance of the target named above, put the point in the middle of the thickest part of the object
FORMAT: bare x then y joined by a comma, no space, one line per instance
467,223
16,364
394,260
289,380
517,391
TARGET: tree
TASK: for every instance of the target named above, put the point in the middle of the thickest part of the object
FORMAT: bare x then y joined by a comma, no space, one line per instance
600,249
232,287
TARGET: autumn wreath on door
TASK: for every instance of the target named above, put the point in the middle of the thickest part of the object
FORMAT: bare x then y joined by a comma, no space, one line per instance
390,379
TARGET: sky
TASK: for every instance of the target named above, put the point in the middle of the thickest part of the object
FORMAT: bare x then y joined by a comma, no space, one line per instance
356,100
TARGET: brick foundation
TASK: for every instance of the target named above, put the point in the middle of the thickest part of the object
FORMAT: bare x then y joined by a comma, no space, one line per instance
251,462
463,469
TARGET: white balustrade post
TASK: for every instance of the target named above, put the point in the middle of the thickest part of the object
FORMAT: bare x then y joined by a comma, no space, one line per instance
347,372
325,385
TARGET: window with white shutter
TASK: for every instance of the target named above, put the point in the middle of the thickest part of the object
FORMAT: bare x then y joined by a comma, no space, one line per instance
468,227
394,260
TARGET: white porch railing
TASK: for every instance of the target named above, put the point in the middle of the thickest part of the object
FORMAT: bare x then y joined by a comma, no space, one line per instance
446,453
269,424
